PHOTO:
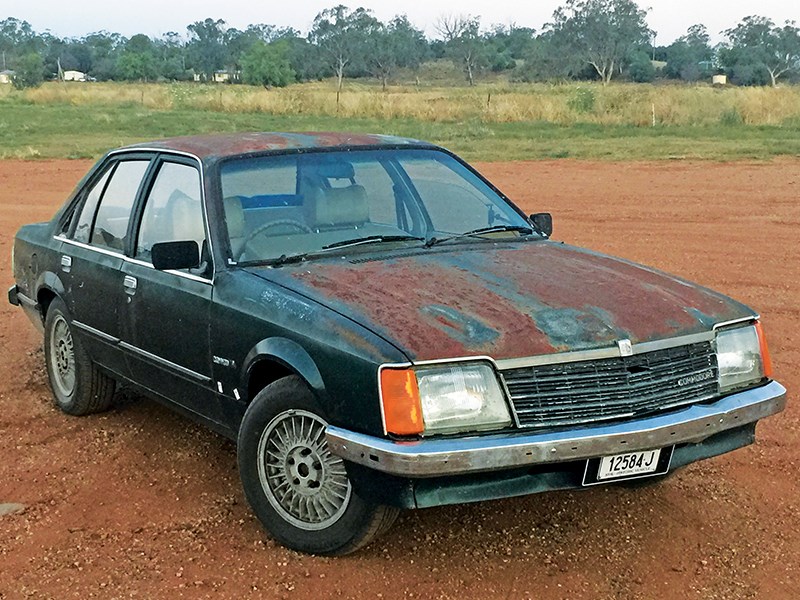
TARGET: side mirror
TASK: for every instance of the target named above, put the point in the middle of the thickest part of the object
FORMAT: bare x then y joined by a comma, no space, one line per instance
175,255
543,222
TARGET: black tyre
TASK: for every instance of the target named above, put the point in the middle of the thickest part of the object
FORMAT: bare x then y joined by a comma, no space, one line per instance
79,387
299,490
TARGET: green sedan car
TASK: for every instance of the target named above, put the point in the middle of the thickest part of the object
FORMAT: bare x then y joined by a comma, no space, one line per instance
378,328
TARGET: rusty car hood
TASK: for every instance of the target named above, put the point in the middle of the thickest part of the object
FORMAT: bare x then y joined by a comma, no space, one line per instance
506,300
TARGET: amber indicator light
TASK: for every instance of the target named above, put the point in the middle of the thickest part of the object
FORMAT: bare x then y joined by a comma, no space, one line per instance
401,405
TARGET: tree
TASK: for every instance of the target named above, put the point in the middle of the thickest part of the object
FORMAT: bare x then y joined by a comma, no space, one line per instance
137,62
29,71
690,56
396,45
171,57
639,67
105,48
16,36
602,33
267,65
305,59
342,35
206,46
757,43
509,44
464,43
549,59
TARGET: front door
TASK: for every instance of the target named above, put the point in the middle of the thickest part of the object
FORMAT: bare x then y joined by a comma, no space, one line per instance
166,313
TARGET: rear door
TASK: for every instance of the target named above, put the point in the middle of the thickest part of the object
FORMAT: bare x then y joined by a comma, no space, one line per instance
92,256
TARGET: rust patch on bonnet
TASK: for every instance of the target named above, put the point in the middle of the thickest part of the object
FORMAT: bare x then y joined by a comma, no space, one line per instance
509,301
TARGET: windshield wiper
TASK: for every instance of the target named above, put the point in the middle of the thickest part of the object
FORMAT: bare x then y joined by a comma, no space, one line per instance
283,259
286,259
479,232
372,239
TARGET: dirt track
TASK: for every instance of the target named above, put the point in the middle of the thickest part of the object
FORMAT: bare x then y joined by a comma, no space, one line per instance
139,502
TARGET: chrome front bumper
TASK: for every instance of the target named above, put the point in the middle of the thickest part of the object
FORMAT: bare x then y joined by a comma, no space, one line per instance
454,456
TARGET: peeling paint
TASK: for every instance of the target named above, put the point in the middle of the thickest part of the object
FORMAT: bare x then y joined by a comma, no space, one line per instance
464,328
287,304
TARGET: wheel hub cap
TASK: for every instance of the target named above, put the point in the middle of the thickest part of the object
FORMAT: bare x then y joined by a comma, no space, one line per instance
303,481
62,352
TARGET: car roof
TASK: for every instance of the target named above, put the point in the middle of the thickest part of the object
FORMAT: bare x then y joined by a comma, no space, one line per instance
209,147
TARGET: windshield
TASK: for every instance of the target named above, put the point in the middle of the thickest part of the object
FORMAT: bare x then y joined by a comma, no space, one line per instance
289,205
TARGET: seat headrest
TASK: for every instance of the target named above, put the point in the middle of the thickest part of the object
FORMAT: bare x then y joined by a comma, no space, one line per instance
186,217
234,216
338,206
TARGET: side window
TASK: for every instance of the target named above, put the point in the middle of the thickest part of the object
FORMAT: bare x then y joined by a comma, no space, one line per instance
83,230
172,212
113,216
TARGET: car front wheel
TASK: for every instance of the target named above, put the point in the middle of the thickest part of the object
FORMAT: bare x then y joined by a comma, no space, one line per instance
299,490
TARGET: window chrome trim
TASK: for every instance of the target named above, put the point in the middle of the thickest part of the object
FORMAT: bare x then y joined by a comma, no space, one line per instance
133,261
161,151
201,169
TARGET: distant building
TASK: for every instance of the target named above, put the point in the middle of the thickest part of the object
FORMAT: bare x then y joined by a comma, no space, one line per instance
74,76
220,77
5,76
719,80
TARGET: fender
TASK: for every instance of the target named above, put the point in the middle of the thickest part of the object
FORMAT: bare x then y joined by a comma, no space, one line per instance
287,353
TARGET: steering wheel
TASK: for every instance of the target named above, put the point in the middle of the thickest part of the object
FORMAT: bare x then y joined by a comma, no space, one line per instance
289,223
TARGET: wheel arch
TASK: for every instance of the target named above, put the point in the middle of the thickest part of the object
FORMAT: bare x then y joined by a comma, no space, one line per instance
48,289
274,358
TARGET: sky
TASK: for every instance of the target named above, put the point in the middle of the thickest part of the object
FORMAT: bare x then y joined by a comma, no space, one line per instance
669,18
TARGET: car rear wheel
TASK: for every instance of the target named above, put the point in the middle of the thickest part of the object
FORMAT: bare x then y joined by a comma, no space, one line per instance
79,387
299,490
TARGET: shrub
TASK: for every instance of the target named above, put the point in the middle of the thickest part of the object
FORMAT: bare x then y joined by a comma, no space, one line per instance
29,72
582,101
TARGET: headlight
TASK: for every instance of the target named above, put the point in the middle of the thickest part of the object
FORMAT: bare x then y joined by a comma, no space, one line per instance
742,357
447,398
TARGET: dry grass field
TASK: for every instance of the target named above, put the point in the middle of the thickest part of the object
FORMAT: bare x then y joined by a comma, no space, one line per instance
501,102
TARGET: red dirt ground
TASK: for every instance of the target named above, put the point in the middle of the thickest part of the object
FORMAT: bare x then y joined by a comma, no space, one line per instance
140,503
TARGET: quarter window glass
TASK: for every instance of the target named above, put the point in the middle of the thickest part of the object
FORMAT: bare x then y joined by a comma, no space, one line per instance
173,212
83,230
113,216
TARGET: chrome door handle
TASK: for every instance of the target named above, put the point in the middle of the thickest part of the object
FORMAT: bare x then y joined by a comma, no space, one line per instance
66,263
129,283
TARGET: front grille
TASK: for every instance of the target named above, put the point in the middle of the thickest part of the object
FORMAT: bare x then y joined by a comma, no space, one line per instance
612,388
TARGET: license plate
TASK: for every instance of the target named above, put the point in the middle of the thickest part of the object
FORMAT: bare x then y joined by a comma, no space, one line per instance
630,465
625,465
